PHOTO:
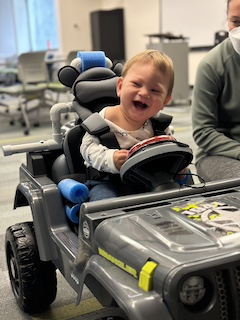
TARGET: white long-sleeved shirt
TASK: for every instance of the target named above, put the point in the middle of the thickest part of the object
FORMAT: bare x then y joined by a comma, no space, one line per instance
100,157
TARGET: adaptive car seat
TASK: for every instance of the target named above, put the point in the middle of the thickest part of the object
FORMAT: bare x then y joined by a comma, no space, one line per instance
92,78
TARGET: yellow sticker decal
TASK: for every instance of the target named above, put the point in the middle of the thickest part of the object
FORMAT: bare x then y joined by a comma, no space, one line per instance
118,262
217,215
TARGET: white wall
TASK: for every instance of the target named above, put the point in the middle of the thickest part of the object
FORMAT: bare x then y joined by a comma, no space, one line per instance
194,58
74,24
75,28
197,20
141,18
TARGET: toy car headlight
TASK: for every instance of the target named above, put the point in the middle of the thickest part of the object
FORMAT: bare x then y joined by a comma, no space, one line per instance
193,290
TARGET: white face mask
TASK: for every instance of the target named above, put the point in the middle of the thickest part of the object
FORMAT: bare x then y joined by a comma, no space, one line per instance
234,36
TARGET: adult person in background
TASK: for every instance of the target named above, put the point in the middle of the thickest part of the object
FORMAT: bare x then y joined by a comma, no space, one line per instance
216,105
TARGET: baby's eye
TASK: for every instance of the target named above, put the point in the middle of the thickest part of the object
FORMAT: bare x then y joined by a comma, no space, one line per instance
136,84
155,90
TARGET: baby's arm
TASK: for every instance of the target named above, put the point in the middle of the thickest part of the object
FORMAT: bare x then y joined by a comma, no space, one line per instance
100,157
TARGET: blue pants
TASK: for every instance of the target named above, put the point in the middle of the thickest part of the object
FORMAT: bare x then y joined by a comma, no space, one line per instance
99,190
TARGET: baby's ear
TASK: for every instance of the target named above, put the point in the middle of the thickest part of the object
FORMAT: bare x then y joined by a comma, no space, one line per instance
119,86
167,100
67,75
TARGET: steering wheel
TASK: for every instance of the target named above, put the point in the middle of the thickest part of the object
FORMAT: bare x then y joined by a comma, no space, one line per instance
155,162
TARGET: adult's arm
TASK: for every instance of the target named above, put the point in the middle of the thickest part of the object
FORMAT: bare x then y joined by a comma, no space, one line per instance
205,114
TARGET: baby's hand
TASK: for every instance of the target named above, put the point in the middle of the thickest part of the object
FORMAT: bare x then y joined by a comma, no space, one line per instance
119,157
182,174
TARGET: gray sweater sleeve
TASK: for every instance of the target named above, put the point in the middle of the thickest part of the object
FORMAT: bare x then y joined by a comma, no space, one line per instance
216,130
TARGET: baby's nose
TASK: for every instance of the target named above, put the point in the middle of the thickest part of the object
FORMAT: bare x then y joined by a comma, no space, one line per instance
143,91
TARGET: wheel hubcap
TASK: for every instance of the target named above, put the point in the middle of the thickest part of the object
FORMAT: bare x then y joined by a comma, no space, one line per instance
14,276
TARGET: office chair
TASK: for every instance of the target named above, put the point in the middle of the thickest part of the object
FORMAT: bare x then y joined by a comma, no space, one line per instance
33,77
8,71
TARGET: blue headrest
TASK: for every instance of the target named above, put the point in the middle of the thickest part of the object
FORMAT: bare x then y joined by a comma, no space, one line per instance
85,61
91,59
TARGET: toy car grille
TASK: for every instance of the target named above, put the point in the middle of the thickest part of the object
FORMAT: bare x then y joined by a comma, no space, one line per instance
225,288
221,299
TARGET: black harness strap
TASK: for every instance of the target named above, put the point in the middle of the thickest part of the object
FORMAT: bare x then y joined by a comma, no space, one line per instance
161,123
95,125
109,140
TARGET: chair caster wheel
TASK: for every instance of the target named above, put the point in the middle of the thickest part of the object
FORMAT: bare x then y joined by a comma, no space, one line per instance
36,124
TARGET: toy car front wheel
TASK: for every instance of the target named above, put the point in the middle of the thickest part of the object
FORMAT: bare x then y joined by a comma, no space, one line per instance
33,281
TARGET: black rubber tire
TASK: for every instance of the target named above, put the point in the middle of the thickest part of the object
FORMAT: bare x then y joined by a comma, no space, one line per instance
34,282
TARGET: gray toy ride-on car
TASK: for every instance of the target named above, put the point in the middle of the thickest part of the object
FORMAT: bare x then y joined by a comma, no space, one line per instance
169,253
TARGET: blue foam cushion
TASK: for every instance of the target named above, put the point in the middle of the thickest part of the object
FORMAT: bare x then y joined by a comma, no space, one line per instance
73,190
91,59
73,212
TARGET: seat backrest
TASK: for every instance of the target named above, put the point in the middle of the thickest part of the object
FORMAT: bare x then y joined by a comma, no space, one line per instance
70,164
32,67
71,148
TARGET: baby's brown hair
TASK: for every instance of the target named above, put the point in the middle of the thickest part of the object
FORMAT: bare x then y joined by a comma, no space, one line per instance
160,60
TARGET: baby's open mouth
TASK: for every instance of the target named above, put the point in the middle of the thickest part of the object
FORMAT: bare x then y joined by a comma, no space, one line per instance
140,105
